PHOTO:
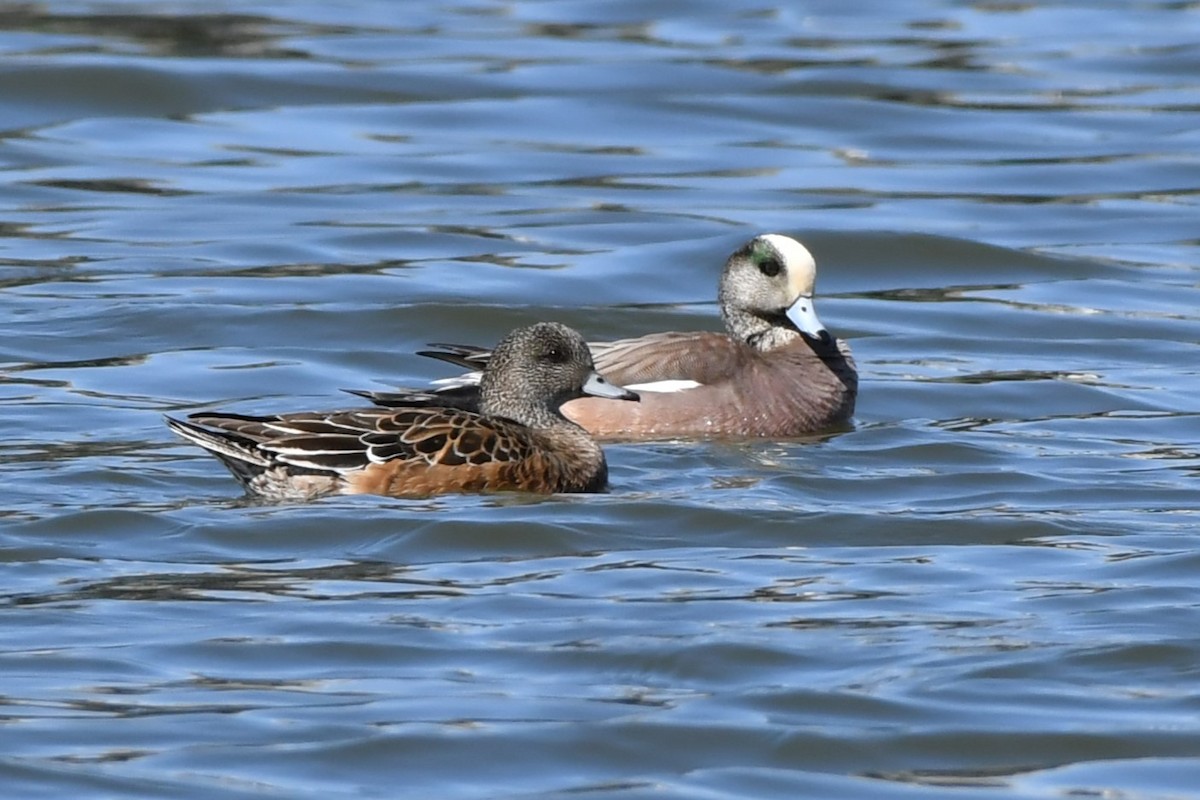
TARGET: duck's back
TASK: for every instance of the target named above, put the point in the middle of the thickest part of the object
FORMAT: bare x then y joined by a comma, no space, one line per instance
789,391
481,454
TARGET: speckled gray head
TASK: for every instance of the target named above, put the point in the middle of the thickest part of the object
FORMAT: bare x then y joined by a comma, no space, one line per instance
537,368
766,292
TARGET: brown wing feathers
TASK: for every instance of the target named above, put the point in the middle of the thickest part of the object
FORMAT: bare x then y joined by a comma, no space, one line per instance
348,440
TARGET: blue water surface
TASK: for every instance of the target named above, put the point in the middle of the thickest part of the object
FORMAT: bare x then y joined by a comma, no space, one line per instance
985,588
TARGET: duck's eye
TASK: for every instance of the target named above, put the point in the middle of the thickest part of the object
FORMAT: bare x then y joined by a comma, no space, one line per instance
770,266
556,355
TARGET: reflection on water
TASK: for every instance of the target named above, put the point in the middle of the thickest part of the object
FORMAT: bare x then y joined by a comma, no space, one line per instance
160,34
985,582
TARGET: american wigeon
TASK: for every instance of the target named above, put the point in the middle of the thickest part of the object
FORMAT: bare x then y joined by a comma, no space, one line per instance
775,372
517,440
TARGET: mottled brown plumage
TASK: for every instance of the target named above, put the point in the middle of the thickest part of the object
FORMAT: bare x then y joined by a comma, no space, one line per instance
775,372
517,440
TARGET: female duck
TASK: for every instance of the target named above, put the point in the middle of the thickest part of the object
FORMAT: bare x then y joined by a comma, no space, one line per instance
518,438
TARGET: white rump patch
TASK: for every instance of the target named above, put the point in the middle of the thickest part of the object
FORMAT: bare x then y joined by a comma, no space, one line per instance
663,386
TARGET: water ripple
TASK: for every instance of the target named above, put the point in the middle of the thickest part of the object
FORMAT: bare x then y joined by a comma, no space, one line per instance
985,582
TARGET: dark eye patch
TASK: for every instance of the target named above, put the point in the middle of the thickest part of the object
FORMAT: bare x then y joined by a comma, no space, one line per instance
556,355
770,266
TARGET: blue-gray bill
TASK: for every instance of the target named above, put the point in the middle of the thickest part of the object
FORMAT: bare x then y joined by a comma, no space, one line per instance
597,386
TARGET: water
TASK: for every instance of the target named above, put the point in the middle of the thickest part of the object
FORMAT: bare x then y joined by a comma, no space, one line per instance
987,588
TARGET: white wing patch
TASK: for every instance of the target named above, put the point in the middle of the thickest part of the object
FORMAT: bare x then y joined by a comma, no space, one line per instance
459,381
663,386
472,379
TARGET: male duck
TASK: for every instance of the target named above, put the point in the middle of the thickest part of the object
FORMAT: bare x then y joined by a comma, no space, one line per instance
776,371
517,440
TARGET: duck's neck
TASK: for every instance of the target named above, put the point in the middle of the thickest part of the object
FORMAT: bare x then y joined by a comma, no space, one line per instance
531,415
758,332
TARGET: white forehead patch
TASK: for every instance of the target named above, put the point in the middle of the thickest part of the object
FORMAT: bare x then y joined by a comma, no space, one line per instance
795,255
